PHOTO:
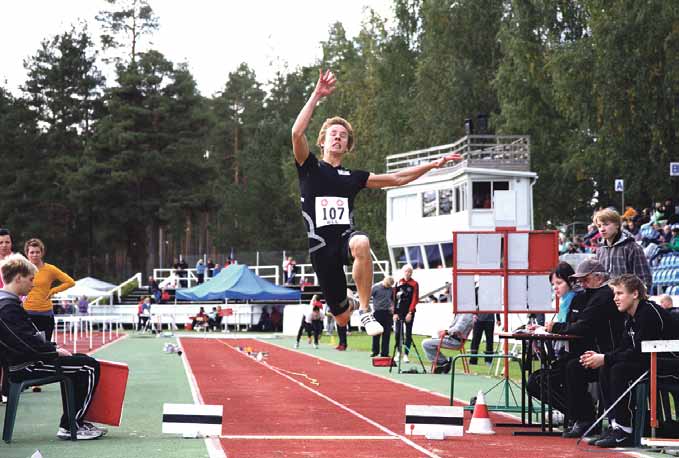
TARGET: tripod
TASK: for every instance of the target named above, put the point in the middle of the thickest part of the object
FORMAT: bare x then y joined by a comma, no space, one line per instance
398,348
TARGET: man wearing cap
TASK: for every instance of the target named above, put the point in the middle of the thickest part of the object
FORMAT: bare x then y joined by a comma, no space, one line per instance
594,318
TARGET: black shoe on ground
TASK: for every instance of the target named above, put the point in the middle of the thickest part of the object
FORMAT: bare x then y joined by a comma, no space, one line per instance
616,438
577,430
372,355
442,368
595,439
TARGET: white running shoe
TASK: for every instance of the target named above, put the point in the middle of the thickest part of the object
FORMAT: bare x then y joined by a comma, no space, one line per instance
83,433
371,325
92,426
296,344
405,358
316,346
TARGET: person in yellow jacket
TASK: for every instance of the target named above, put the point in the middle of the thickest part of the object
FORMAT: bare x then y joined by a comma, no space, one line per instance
38,303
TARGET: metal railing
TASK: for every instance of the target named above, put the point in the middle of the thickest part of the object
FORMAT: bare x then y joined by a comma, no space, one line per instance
117,291
271,273
485,151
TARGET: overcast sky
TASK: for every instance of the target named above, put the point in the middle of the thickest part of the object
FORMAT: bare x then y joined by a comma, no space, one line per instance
213,36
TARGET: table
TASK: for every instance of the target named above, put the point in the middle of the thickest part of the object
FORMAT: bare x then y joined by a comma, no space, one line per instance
527,340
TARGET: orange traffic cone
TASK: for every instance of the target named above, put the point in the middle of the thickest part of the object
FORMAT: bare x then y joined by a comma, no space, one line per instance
480,423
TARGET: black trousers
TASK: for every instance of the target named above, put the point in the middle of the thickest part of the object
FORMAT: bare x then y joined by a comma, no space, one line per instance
44,323
557,379
383,317
482,328
4,381
342,334
615,380
580,406
315,328
83,370
408,331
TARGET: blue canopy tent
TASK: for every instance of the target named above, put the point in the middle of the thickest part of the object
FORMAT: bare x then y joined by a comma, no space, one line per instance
240,283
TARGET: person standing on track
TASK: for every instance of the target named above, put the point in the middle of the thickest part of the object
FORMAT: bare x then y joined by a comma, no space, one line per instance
328,191
407,297
38,303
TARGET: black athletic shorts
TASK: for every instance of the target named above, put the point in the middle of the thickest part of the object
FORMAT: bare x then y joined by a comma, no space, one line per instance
328,263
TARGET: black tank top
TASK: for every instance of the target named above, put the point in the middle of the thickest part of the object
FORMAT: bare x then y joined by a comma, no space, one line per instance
327,197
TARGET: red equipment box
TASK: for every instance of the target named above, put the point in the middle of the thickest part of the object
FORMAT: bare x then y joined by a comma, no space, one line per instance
383,361
107,403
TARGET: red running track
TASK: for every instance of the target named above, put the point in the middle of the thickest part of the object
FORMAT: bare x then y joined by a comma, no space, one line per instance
268,399
83,342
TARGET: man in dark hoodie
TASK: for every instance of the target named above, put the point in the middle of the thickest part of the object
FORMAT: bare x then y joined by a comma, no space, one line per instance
644,320
28,354
618,252
593,317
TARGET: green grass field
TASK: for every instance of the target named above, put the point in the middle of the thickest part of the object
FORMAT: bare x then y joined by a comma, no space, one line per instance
359,341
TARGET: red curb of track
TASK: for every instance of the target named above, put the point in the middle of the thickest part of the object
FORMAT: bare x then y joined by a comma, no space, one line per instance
258,401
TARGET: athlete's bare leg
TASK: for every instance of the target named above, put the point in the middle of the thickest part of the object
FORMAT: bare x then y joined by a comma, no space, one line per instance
362,270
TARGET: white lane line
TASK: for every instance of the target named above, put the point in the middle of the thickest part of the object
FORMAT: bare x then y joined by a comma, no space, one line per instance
214,448
124,336
340,405
383,377
306,438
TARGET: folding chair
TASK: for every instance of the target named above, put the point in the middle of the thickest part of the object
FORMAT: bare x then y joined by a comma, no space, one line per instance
461,350
15,389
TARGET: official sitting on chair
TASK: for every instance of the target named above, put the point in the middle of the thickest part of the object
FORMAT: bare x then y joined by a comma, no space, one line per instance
30,356
451,338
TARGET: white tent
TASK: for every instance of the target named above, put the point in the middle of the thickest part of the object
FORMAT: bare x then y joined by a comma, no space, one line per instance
94,283
88,287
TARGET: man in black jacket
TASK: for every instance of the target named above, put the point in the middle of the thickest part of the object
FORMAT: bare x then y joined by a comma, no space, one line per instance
29,355
593,317
645,320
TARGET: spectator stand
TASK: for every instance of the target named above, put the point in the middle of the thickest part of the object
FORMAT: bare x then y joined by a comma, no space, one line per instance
504,271
666,275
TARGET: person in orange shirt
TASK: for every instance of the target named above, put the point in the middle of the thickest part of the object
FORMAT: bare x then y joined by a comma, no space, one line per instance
38,304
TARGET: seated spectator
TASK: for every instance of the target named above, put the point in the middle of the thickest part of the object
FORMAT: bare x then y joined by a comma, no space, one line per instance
276,320
144,311
665,234
591,239
594,317
154,289
671,246
649,234
200,319
216,270
644,320
83,305
212,319
264,323
667,303
27,352
457,332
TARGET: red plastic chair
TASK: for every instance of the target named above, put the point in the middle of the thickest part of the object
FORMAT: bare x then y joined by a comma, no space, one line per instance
461,350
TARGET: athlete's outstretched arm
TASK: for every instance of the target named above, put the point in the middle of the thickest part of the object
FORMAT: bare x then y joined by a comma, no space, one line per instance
324,87
405,176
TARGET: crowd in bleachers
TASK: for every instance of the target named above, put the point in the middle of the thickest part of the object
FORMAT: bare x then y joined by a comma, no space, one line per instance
655,229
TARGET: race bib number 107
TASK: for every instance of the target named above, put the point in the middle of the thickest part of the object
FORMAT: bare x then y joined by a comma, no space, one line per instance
332,210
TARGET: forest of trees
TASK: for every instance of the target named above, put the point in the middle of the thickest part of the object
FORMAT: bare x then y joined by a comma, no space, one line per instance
109,173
